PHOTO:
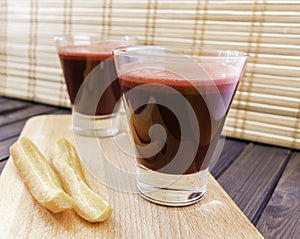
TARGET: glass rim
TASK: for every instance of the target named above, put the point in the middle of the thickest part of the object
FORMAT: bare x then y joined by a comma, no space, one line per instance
178,51
88,38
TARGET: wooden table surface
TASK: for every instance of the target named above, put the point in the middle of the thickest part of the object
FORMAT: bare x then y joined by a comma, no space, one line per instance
262,180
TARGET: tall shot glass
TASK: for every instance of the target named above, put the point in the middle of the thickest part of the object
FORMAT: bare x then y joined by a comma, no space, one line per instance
92,83
176,100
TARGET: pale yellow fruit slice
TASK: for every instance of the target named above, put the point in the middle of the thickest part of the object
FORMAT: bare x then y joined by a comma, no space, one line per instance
41,180
88,204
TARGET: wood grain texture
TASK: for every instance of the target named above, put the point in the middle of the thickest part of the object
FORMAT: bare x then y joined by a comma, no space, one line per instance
12,105
4,146
2,100
11,130
280,218
251,179
231,150
216,216
2,164
12,110
13,115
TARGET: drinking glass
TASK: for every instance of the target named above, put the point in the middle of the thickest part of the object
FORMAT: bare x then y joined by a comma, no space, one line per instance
176,100
92,84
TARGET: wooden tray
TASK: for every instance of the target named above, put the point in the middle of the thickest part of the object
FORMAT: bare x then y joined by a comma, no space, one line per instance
216,216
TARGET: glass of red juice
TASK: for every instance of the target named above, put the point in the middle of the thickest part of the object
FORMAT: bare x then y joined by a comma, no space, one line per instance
92,84
176,100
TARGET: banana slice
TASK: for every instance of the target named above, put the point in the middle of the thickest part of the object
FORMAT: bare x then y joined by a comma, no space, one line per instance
88,204
41,180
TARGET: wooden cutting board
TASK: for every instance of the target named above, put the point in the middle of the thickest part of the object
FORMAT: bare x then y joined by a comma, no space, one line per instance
216,216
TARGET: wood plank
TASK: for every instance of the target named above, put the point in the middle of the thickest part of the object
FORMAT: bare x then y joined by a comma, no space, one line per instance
61,111
11,130
2,99
2,165
14,114
280,218
11,105
232,148
252,177
25,113
216,216
4,147
13,120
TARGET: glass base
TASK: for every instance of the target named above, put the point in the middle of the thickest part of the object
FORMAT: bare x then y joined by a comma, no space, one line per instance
96,125
171,189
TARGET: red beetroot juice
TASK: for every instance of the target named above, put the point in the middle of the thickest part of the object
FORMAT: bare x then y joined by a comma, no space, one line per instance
77,62
216,94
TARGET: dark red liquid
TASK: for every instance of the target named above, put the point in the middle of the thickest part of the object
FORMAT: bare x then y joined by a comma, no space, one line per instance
77,62
210,102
